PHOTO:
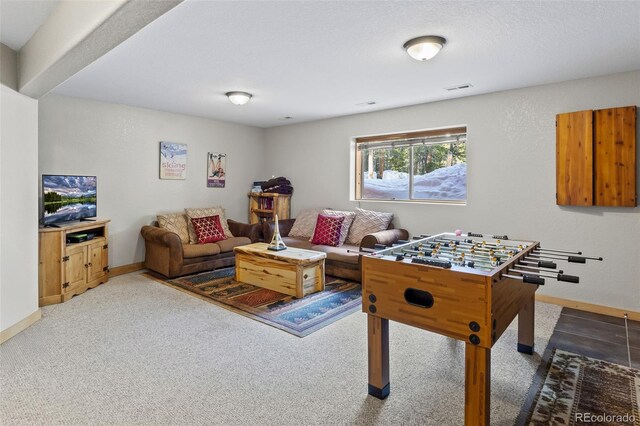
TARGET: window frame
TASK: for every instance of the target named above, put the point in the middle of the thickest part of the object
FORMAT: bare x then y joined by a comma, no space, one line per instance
397,137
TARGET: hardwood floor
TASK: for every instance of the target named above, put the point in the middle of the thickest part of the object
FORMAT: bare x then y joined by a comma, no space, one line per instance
589,334
597,336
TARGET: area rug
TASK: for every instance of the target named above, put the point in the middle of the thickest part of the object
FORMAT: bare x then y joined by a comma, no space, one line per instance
582,390
300,317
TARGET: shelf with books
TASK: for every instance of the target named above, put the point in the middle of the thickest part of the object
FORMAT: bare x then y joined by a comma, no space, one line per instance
265,206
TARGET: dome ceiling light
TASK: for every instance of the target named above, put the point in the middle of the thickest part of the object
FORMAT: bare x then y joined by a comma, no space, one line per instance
425,47
239,98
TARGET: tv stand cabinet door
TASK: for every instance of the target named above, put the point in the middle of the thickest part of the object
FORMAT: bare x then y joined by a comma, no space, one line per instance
75,268
50,279
98,262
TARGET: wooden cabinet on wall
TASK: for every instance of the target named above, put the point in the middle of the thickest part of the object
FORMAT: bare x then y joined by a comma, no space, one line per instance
265,206
596,158
70,268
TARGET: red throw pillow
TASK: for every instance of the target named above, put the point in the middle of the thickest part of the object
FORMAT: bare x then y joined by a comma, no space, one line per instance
208,229
327,230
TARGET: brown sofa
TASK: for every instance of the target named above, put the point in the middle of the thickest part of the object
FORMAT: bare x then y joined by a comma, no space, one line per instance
343,261
167,255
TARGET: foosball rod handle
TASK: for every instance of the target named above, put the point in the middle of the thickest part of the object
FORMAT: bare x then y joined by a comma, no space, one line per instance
560,276
541,263
568,278
529,279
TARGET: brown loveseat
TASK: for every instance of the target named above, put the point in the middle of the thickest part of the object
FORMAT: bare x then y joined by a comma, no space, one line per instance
166,254
343,261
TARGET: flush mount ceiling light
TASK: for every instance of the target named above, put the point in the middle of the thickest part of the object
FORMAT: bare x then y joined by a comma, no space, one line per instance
239,98
424,48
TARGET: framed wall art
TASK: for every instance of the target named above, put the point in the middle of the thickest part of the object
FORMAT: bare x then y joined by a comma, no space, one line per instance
173,160
216,169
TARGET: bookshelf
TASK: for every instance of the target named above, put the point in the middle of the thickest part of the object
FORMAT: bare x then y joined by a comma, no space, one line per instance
263,206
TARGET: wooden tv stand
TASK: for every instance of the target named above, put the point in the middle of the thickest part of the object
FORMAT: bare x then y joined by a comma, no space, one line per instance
70,268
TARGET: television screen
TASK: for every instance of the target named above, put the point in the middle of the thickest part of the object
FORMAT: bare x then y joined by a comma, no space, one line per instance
68,198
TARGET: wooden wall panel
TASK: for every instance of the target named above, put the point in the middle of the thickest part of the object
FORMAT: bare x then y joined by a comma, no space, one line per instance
615,157
574,158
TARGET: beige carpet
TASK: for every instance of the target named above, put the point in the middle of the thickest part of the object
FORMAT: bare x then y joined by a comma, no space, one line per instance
134,351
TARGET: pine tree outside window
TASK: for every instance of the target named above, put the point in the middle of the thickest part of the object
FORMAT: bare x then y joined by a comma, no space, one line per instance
428,165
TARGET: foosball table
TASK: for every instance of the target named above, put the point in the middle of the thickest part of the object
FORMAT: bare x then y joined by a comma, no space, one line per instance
466,286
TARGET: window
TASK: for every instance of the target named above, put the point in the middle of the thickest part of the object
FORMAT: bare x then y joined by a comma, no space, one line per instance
428,165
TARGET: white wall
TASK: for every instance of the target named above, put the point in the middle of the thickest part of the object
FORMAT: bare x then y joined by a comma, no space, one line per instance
8,67
18,207
511,177
120,145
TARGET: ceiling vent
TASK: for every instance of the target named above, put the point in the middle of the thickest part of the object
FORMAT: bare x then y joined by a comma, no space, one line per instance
460,87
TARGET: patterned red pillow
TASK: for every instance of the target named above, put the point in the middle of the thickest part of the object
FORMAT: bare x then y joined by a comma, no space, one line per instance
327,230
208,229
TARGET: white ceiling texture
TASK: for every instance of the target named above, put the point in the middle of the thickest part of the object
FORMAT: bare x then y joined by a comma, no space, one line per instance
19,19
318,59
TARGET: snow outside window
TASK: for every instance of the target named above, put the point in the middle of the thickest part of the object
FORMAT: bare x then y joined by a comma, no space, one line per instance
425,168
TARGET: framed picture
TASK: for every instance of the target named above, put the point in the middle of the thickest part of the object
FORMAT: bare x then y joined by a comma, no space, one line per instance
173,160
216,169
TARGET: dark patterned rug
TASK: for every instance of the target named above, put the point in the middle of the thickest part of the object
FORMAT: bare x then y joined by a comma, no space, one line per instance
582,390
300,317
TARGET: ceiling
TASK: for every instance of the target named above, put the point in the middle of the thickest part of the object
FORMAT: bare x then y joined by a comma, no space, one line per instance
318,59
19,19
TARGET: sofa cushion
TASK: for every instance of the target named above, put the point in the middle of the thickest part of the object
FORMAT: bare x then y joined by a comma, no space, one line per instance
228,244
199,250
206,211
346,225
367,222
298,242
208,229
339,254
175,222
305,223
327,230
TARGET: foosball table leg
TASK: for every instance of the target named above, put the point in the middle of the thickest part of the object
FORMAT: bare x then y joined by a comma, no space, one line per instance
378,331
477,385
526,319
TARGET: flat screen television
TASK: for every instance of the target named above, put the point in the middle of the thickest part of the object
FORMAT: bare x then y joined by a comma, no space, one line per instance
67,198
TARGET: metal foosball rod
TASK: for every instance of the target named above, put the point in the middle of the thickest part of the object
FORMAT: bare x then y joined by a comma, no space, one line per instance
462,258
477,244
473,249
472,263
558,251
538,268
457,258
536,251
475,257
559,276
540,263
567,258
461,245
483,261
430,249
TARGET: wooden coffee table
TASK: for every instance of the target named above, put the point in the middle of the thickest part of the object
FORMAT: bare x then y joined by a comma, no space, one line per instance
296,272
